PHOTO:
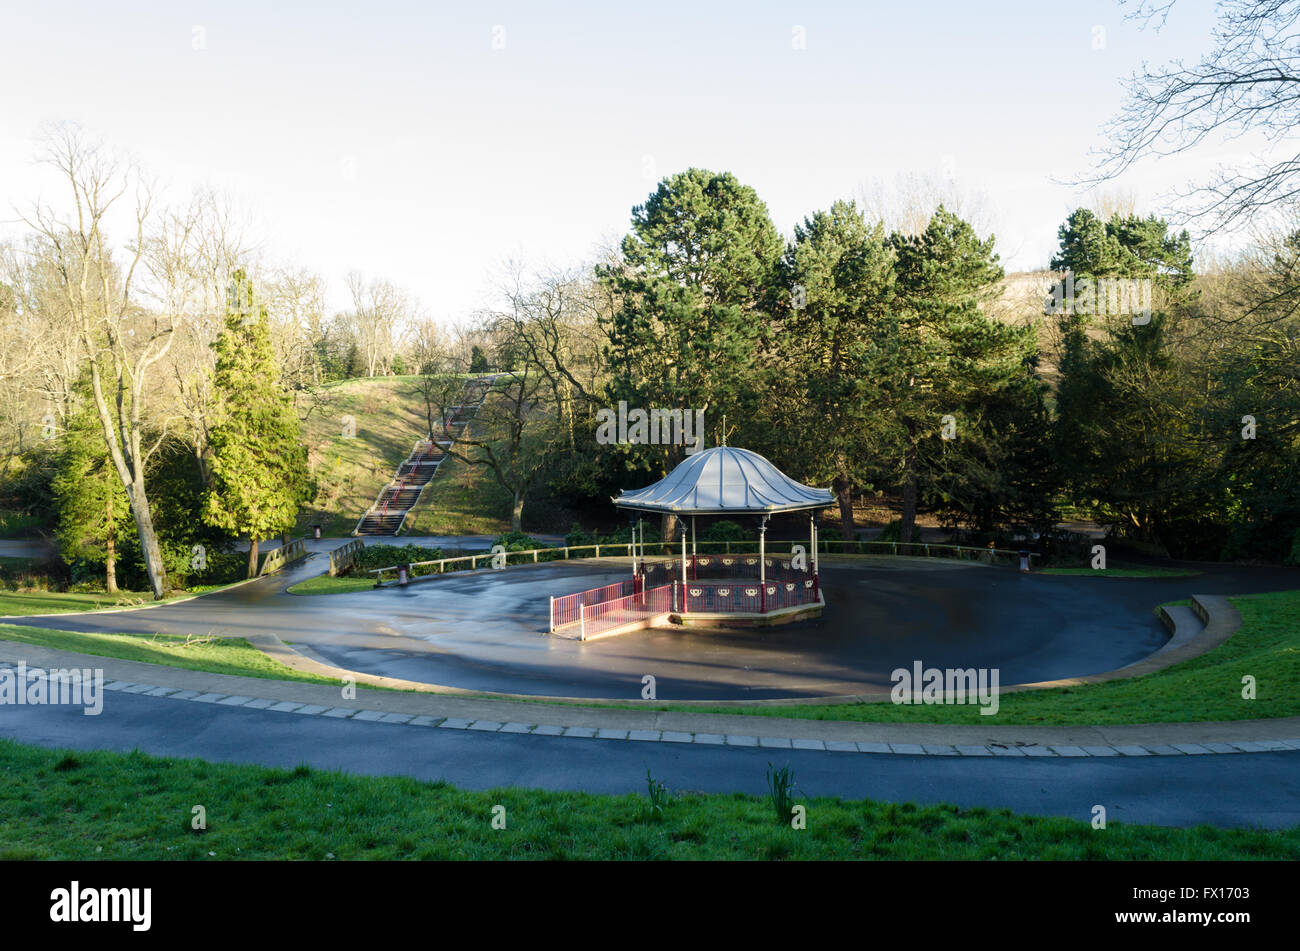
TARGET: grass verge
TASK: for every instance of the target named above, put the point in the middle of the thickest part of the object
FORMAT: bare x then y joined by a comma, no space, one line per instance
13,603
324,584
215,655
1123,570
97,805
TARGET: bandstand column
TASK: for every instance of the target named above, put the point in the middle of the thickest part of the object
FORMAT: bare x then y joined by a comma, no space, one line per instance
762,565
694,573
815,562
685,593
683,560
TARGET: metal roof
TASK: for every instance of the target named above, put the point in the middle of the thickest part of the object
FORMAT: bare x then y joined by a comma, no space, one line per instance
725,480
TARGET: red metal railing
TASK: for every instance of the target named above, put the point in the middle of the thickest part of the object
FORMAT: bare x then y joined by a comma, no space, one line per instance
568,609
747,597
599,618
711,567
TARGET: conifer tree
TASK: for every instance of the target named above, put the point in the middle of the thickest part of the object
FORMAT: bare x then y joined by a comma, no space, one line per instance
1114,436
693,291
834,334
93,508
956,372
259,465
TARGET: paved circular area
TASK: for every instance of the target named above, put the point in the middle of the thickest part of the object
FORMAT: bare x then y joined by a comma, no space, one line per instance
487,630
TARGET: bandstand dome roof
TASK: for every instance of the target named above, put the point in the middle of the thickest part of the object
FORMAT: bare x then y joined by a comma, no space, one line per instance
725,480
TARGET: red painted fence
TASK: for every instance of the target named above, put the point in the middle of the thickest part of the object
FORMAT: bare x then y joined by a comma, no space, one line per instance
568,609
599,618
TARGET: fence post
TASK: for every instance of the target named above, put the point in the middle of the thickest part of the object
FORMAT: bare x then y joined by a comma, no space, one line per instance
534,556
597,551
552,614
582,622
566,552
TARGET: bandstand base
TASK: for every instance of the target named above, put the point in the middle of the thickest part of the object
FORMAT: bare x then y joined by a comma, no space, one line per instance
799,612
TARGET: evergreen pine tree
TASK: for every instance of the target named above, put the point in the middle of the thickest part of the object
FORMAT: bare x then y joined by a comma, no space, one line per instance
833,335
952,360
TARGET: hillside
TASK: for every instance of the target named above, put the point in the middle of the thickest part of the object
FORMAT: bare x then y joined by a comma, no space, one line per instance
350,469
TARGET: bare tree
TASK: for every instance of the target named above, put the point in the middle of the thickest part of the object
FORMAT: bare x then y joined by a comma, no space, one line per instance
295,300
1249,82
380,315
907,204
518,426
553,318
123,344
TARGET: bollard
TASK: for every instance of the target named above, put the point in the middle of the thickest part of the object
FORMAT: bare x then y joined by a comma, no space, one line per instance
402,575
316,530
1024,561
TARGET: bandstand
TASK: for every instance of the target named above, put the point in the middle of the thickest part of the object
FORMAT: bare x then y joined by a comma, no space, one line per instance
712,590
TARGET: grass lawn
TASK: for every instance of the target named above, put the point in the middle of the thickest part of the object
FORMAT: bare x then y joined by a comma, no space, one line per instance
96,805
461,500
388,416
324,584
217,655
1124,570
1208,687
17,525
60,602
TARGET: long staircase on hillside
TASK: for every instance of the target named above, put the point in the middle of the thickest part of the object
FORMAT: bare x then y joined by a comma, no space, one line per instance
388,514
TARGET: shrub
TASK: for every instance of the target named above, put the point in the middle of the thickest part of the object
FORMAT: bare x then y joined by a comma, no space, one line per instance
385,556
518,541
1293,558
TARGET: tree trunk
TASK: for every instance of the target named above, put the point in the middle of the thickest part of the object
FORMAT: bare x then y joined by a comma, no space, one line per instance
110,567
909,508
252,558
517,513
668,527
844,493
148,541
909,485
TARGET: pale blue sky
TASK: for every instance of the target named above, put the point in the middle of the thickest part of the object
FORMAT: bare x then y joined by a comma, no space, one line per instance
392,137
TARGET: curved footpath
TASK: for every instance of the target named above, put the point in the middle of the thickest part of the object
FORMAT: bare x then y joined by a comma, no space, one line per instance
490,715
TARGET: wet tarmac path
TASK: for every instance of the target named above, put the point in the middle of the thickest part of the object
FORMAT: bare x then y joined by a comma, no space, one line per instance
486,630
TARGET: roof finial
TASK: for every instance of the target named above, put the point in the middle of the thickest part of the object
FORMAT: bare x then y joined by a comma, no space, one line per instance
724,430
